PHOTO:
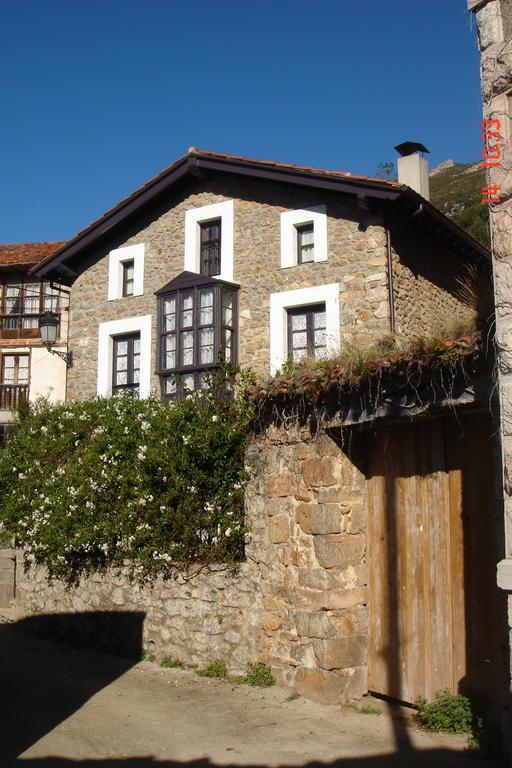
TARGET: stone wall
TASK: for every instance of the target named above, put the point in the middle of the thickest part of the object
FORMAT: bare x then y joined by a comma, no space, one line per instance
357,261
425,274
298,603
494,22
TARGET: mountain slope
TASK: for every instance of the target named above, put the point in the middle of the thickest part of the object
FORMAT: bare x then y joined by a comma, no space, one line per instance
456,189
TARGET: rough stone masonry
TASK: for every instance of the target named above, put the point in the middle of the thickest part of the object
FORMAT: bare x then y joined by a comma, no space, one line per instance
494,20
298,602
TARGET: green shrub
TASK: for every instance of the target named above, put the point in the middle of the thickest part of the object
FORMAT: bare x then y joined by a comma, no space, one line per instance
215,669
88,484
168,663
449,713
259,674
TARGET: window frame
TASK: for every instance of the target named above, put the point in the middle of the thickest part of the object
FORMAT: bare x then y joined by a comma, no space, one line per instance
183,284
16,356
208,244
290,222
125,266
130,385
194,217
106,332
116,259
43,295
301,229
281,301
308,311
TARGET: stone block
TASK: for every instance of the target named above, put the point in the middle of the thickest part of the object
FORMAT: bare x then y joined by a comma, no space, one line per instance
271,622
279,485
6,593
341,652
319,518
319,578
337,599
319,472
280,506
279,529
313,624
358,517
331,687
339,550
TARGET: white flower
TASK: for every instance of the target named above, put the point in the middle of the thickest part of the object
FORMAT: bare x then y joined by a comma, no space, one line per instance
185,439
214,418
228,532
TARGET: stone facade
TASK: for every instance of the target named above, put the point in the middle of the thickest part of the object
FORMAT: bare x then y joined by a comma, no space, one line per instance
494,22
425,273
300,600
357,260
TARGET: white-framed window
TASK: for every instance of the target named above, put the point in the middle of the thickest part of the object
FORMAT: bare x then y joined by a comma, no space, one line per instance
209,240
110,355
284,306
304,236
126,272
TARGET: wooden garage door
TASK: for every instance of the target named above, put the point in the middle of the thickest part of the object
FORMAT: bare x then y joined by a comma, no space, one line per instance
435,619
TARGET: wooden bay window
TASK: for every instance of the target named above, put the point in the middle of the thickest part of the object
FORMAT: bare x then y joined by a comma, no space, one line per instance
197,325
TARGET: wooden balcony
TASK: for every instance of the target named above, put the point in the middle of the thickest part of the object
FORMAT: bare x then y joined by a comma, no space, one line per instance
11,394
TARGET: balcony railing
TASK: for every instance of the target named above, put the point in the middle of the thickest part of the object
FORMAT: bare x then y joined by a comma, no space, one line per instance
11,394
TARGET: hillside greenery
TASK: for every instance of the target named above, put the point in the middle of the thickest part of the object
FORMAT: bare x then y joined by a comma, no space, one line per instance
457,192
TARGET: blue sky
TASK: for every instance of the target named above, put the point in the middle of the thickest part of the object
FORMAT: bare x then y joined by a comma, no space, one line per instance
99,95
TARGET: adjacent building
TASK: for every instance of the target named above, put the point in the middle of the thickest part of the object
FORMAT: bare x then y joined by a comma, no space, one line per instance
27,369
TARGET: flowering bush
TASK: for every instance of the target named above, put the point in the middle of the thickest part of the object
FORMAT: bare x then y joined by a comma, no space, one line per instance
86,484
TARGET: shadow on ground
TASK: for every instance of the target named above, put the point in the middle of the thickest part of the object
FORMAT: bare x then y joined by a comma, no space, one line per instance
43,682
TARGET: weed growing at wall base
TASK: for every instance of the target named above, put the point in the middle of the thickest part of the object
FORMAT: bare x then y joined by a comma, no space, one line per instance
88,484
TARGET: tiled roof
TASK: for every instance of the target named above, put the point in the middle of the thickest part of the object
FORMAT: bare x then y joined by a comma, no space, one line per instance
26,253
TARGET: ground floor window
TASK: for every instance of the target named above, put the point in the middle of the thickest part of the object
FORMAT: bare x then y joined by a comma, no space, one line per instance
307,333
15,369
126,363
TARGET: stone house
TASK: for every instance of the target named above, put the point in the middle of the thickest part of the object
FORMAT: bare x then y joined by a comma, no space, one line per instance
361,573
26,367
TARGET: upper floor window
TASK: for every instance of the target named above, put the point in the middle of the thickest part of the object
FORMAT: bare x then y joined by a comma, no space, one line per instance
210,247
128,268
305,243
303,236
126,363
307,333
209,240
126,272
21,304
197,321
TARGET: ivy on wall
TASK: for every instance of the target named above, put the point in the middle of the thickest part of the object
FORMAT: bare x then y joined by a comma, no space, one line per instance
87,484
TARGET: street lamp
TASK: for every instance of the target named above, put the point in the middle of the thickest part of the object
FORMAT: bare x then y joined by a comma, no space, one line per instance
49,328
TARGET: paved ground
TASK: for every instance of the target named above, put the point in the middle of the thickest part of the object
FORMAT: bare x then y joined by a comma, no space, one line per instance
64,707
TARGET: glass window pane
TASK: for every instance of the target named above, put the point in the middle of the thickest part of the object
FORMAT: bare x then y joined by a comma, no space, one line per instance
122,348
298,355
121,377
319,319
227,307
170,305
136,376
136,346
12,299
170,385
227,336
320,338
298,322
187,348
50,298
31,299
30,323
187,382
122,364
206,345
8,369
187,310
299,340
